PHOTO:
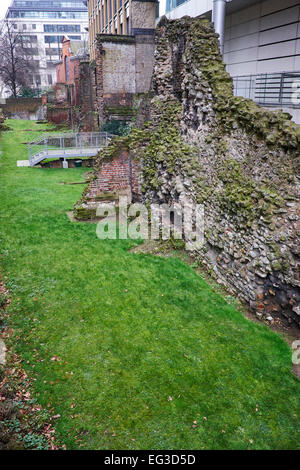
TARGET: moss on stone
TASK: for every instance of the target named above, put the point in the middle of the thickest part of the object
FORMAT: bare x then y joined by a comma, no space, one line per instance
242,196
83,213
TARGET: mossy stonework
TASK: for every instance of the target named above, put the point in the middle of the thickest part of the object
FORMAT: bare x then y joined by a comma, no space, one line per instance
199,141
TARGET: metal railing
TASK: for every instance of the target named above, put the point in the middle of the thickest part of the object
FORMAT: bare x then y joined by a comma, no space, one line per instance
269,89
67,145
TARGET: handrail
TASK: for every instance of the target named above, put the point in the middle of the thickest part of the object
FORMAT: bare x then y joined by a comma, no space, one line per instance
67,144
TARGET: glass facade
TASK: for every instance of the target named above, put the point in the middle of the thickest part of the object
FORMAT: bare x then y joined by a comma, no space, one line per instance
69,9
171,4
48,14
62,28
78,4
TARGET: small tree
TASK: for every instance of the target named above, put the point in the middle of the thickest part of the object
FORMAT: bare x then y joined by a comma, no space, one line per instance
16,65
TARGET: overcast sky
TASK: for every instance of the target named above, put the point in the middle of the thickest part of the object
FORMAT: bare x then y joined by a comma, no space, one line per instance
4,4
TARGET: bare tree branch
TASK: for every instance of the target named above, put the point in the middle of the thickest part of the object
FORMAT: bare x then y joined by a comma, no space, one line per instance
16,64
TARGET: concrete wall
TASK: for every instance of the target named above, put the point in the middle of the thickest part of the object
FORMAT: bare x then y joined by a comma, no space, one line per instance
263,38
143,14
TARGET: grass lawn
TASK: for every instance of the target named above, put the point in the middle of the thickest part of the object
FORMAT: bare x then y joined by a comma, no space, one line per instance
133,351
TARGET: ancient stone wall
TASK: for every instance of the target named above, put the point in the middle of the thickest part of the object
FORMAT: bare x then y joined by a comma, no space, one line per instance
123,69
88,120
240,161
242,165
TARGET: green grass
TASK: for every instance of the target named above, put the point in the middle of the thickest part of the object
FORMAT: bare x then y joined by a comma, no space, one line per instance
146,346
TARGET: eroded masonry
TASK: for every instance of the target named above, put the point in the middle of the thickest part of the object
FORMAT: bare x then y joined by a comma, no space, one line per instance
194,139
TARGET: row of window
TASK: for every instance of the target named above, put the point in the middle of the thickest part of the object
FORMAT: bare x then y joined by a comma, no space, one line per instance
29,38
50,51
55,39
48,4
48,14
24,26
62,28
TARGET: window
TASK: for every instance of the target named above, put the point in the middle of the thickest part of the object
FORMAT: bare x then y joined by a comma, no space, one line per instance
38,80
67,69
24,26
52,51
28,38
173,4
31,51
75,38
50,81
34,26
53,39
61,28
48,14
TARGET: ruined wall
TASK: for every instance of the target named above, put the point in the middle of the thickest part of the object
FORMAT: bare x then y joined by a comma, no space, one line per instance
240,161
73,104
59,114
243,166
115,174
24,108
124,66
88,118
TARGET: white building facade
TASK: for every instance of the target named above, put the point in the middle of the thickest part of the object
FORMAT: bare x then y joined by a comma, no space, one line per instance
261,46
43,24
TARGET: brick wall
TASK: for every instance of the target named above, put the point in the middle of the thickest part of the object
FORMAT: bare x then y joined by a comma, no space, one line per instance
86,97
73,65
58,115
23,108
118,174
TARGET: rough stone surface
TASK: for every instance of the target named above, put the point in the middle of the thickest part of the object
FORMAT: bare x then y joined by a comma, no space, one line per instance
240,161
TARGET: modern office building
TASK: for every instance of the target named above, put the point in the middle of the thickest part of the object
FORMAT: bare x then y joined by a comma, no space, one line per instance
261,46
43,24
122,17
